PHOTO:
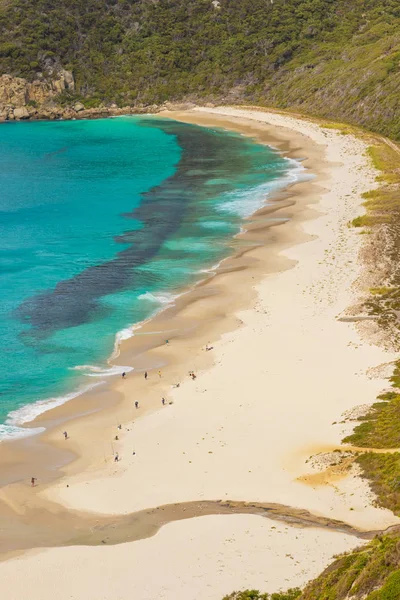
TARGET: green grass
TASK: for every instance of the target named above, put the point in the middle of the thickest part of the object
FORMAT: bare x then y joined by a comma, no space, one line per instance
370,572
383,474
390,590
359,573
256,595
380,291
370,220
383,218
380,428
395,378
383,203
386,160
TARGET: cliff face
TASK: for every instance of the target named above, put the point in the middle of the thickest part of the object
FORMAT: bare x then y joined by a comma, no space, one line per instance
21,99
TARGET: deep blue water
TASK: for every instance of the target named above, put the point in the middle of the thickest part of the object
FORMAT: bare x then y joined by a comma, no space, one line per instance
101,222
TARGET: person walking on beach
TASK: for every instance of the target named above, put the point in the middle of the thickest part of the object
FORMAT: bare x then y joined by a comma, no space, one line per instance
159,373
145,375
65,434
33,479
163,400
116,457
123,375
136,404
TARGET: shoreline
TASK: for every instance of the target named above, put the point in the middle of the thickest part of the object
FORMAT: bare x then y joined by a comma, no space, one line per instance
264,449
113,370
242,244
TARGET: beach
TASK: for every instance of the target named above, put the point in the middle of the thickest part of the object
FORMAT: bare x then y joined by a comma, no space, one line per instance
270,394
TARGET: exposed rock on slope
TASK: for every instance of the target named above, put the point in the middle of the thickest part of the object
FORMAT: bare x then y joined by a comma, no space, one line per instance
21,99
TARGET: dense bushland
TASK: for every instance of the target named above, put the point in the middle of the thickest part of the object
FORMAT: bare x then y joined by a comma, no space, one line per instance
335,58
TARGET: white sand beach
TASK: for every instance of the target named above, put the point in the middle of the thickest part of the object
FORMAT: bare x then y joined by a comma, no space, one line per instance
244,429
247,426
194,559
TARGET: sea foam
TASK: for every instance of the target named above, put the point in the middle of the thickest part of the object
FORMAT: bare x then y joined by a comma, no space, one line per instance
95,371
159,298
245,203
11,432
120,336
29,412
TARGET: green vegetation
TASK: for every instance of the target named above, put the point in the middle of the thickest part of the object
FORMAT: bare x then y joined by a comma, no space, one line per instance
371,572
256,595
334,58
395,378
380,428
390,590
379,291
383,203
383,474
383,208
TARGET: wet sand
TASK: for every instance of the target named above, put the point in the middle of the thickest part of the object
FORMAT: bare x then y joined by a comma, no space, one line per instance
201,313
283,368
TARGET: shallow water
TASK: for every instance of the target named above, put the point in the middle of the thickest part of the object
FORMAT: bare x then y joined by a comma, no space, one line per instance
101,224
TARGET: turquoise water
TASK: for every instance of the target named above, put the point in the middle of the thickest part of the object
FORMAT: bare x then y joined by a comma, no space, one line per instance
101,223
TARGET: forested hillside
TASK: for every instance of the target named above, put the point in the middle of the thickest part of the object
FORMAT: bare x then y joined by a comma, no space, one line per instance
336,58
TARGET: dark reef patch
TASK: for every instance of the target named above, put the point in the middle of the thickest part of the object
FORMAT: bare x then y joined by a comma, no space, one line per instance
160,214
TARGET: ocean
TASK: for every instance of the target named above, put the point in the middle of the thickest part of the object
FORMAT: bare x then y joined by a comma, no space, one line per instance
102,223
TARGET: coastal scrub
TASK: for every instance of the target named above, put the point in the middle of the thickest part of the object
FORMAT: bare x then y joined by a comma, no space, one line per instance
332,59
371,572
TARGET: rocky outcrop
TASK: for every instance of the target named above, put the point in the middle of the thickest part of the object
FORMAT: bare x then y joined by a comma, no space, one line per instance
78,106
21,113
21,99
